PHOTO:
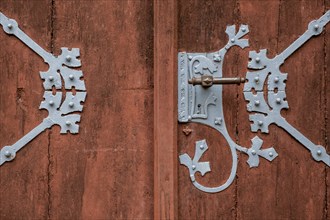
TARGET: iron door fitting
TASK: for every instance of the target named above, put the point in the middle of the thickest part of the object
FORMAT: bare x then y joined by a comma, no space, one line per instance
62,113
200,100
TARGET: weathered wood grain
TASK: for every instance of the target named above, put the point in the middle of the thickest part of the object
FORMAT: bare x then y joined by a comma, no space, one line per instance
24,182
165,114
105,172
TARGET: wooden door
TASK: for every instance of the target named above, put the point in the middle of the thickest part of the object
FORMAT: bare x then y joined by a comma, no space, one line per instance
124,162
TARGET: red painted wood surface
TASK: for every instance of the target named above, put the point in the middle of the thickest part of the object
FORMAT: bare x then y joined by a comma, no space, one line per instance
165,117
124,162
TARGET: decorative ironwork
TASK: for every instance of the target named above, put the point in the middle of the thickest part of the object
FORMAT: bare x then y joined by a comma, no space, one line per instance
72,91
203,104
271,112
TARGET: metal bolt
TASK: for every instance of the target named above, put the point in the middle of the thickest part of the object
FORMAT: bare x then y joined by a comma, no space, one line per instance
233,40
71,77
51,78
51,102
68,58
201,147
192,177
189,118
276,79
10,26
217,57
243,29
316,27
278,100
68,123
7,154
71,104
260,123
319,152
193,167
256,79
271,154
218,121
256,102
190,57
253,152
258,60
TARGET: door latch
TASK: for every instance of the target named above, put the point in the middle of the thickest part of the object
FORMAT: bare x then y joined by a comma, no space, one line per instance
209,80
199,101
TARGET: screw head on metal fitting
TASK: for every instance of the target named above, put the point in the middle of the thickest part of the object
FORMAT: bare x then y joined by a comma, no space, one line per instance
7,154
253,152
243,29
68,58
71,104
51,102
256,79
258,59
276,79
71,77
193,167
316,27
278,100
260,123
201,147
271,154
232,40
319,152
68,123
51,78
10,26
256,102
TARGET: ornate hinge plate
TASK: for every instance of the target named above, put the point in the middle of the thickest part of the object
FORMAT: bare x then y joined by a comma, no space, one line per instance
72,91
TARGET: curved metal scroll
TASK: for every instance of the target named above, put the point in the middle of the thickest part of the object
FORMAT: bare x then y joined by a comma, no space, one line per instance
201,105
270,68
60,69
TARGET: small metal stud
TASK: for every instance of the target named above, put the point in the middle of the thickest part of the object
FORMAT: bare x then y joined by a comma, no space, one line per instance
276,79
260,123
319,152
51,78
256,79
190,57
68,58
189,118
232,40
253,152
256,102
243,29
218,121
68,123
192,177
316,27
270,154
278,100
10,26
201,147
71,77
51,102
71,104
193,167
258,60
7,154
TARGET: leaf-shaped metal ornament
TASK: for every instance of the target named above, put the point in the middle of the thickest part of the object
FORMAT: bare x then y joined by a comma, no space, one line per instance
62,113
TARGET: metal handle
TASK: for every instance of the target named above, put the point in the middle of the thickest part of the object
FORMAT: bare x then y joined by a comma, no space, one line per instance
208,81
